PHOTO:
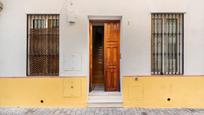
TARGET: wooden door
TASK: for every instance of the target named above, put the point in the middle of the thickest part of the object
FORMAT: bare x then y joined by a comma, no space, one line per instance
112,56
90,56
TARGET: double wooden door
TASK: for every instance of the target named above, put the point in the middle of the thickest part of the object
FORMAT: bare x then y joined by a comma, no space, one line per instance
111,56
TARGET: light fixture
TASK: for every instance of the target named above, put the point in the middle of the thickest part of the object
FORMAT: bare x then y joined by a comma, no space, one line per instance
1,6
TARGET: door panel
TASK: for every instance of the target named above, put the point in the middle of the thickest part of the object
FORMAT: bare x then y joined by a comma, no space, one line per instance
112,55
112,79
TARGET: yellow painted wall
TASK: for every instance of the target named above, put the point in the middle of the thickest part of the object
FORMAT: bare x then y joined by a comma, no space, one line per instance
153,91
146,91
55,92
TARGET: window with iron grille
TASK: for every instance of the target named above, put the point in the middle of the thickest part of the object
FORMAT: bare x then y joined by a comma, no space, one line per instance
42,44
167,43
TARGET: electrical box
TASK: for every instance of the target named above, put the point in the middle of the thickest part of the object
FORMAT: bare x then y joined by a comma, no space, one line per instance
72,88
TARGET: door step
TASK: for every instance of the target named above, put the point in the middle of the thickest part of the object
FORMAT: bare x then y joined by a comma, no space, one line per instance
102,93
112,105
105,99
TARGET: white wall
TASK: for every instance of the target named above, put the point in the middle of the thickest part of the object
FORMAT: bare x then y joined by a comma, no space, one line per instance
135,32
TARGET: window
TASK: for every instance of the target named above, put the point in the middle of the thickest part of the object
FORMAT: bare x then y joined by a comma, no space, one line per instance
167,43
42,45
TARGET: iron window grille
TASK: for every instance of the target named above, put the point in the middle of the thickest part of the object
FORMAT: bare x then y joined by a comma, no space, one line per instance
42,44
167,43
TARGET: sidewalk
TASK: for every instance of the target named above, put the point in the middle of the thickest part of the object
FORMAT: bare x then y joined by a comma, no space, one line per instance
98,111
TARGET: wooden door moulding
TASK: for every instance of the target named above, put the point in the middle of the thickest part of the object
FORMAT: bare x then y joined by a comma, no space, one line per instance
90,56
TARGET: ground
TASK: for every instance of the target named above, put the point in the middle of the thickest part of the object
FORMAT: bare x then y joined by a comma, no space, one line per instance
98,111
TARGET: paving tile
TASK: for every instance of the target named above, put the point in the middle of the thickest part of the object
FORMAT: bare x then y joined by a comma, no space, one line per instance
98,111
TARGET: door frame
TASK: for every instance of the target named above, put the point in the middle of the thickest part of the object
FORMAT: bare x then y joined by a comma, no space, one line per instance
91,23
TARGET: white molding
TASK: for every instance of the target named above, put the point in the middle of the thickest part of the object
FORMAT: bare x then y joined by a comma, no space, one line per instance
94,17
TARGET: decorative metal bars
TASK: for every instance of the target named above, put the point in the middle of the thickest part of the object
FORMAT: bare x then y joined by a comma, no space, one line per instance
167,43
42,44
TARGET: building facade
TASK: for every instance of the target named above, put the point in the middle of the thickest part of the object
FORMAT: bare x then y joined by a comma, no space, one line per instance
144,77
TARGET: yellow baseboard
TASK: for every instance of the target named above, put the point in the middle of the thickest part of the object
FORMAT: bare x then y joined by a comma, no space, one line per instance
163,92
44,92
